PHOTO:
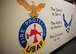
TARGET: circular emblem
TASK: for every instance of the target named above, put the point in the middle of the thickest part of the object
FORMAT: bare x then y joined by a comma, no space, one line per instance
32,32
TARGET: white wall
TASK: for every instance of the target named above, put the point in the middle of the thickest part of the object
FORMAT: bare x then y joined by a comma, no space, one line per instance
12,16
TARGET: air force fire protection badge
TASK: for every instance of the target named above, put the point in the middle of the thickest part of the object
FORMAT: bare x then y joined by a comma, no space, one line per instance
32,33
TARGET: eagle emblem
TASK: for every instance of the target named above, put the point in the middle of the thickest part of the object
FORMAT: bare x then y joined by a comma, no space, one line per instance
67,25
33,9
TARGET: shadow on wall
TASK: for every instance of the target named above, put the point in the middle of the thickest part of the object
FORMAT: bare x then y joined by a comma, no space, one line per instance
71,1
69,45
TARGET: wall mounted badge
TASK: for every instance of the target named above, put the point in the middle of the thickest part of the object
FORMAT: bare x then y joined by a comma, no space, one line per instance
32,33
67,24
